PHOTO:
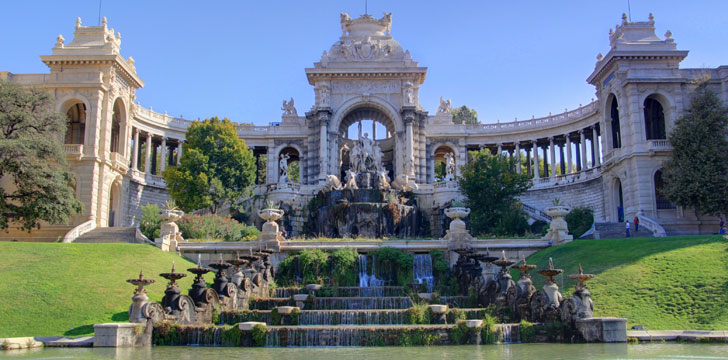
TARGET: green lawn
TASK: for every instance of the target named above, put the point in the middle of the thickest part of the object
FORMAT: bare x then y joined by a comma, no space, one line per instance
50,288
661,283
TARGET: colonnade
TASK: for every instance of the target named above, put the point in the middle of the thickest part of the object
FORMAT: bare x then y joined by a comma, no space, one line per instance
171,152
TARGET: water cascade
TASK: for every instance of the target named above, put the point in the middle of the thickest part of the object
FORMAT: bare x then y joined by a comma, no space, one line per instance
423,271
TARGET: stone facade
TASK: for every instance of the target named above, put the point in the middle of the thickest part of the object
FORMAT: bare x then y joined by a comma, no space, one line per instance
606,155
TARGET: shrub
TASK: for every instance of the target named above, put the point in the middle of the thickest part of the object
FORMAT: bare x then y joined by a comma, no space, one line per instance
312,264
258,333
215,228
512,222
394,264
418,314
579,220
526,331
343,267
539,227
150,222
489,334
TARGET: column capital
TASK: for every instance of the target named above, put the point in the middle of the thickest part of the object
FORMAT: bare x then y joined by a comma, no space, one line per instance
136,130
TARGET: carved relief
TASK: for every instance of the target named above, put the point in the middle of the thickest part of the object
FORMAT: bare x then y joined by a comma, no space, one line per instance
361,86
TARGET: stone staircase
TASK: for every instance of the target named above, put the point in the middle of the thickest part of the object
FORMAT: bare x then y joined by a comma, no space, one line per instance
112,235
613,230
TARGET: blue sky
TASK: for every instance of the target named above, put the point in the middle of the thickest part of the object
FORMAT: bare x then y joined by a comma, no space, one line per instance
240,59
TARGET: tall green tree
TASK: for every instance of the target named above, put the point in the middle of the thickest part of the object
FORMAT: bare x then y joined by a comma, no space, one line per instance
697,174
216,167
491,186
37,182
464,115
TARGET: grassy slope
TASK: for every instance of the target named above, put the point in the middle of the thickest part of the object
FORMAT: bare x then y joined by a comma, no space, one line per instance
50,288
661,283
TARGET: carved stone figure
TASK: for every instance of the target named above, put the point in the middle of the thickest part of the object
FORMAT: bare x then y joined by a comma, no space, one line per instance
402,183
288,108
387,22
449,167
383,180
351,180
345,22
283,164
332,183
409,96
445,106
324,91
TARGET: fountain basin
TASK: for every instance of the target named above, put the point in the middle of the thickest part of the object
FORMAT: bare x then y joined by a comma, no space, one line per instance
299,297
286,310
457,212
425,296
249,325
473,323
438,309
270,214
313,287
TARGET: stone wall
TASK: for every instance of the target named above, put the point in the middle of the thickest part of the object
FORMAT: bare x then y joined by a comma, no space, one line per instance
139,195
588,194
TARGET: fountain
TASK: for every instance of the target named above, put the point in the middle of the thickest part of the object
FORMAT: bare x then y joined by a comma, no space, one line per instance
458,237
179,307
422,270
226,291
270,236
505,285
525,290
558,232
545,303
141,309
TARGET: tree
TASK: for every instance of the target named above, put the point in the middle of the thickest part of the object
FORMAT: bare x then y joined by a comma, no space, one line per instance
37,182
697,174
491,186
464,115
216,167
294,171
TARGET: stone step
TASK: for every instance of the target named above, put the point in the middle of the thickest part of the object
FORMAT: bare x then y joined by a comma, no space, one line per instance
110,235
616,230
343,317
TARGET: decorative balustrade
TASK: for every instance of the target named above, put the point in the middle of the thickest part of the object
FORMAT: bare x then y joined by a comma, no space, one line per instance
445,185
119,161
156,180
535,213
652,225
79,230
75,150
568,116
659,145
162,118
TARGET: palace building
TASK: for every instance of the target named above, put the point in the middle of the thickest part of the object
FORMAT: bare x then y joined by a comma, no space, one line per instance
606,155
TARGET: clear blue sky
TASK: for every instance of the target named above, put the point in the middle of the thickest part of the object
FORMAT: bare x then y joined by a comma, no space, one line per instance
240,59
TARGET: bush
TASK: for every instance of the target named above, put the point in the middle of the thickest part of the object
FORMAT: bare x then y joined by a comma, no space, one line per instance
215,228
526,331
580,220
313,263
394,264
343,267
539,227
512,222
150,222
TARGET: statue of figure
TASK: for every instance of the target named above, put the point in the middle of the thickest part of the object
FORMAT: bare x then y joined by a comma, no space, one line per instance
449,167
367,145
387,22
345,21
377,157
355,157
288,108
445,106
351,180
324,95
383,180
332,183
283,163
410,95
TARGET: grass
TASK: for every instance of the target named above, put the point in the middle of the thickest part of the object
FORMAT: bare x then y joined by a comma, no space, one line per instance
52,289
661,283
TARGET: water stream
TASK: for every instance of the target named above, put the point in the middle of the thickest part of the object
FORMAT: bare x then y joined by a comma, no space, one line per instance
423,271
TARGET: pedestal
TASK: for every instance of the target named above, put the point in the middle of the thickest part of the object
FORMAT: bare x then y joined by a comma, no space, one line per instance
603,329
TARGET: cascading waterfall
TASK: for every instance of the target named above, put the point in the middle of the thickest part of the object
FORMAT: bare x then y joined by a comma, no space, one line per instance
361,303
365,278
423,271
352,317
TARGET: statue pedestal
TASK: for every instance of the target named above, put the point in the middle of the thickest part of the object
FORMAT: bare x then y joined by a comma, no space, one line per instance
603,329
558,233
457,237
270,236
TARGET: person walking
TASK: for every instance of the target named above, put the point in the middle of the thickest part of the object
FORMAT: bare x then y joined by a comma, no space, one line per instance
627,228
636,224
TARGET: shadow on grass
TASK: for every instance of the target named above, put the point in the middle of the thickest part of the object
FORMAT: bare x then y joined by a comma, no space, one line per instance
89,329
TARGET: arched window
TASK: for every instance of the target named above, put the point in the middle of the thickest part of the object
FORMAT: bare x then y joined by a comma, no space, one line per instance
75,132
660,199
442,154
616,133
115,127
289,164
654,120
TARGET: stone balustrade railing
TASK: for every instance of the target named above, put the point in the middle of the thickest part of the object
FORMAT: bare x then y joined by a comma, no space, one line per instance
164,119
652,225
658,145
79,230
570,178
550,120
75,150
536,213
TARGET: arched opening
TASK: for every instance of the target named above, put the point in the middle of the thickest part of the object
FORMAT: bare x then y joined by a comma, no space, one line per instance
113,203
76,130
116,126
366,130
444,157
289,165
661,201
616,130
619,200
654,119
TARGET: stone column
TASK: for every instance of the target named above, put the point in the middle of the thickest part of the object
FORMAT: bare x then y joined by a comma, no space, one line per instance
179,154
582,142
570,168
409,165
553,157
518,157
595,146
528,161
135,151
535,160
148,160
323,148
500,149
374,130
164,153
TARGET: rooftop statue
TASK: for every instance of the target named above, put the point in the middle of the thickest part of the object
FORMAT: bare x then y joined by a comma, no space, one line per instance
445,106
288,108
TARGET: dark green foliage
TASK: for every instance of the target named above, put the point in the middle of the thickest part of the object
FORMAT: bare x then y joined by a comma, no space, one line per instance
554,330
512,222
294,171
32,159
462,334
440,169
491,186
489,334
445,283
232,336
697,174
150,222
526,331
343,267
464,115
454,315
418,314
579,220
418,336
394,264
215,228
540,227
313,265
216,167
259,332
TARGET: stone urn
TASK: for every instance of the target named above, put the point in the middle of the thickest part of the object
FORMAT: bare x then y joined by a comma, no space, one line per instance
558,232
169,234
457,236
270,237
439,314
